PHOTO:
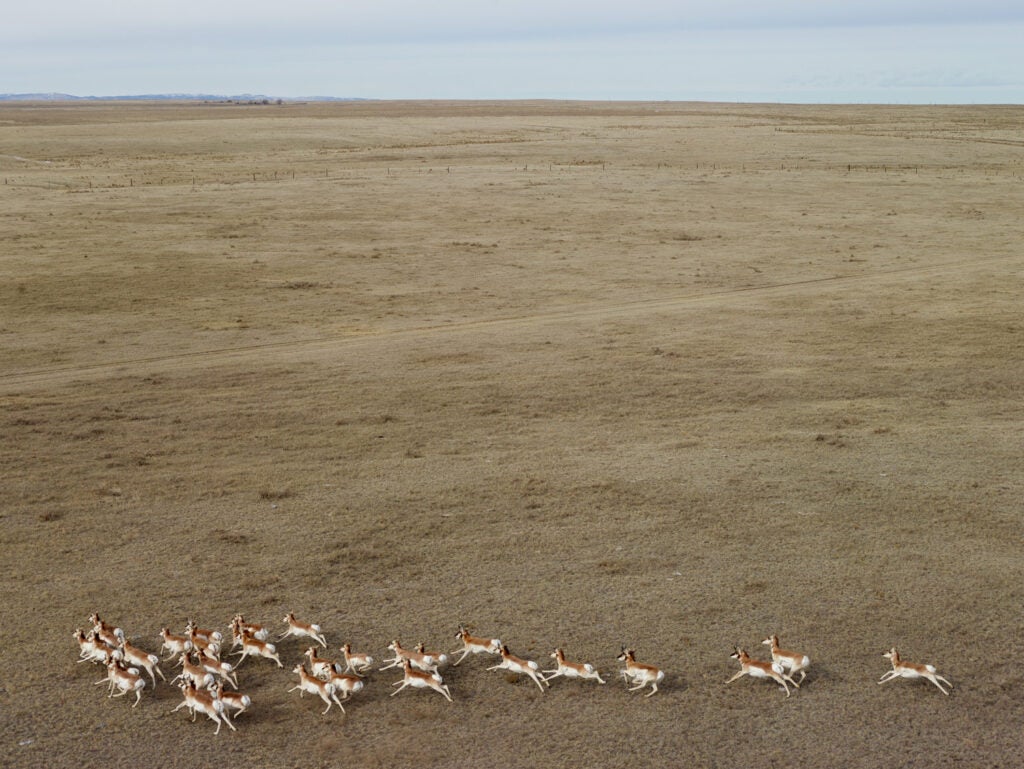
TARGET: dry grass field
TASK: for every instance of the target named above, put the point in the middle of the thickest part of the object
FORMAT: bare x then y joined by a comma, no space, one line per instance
676,376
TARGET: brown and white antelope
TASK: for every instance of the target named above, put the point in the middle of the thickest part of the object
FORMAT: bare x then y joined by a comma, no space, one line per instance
568,669
202,643
239,625
223,670
356,663
321,666
419,679
901,669
419,660
200,701
345,683
475,645
90,648
759,669
794,662
206,634
440,658
193,672
519,665
125,680
174,644
639,673
258,648
133,655
302,629
314,685
240,702
110,635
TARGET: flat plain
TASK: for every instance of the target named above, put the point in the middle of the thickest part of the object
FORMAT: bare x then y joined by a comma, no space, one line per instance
672,376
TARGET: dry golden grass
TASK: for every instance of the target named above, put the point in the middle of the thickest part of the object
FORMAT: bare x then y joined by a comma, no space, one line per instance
676,376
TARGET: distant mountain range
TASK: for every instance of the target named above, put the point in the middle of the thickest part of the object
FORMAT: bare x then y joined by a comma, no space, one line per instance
245,97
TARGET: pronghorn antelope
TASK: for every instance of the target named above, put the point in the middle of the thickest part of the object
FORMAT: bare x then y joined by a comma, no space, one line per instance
474,645
251,645
300,629
127,680
206,634
356,663
113,663
239,625
136,656
440,658
202,643
640,674
344,683
572,669
519,665
240,702
419,679
174,644
204,702
901,669
420,661
758,669
321,666
313,685
222,669
110,635
794,662
195,673
90,648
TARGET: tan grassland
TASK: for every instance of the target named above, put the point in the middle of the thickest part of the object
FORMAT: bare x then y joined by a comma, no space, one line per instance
676,376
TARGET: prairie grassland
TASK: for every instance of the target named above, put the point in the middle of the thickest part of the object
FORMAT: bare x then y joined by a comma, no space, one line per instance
676,376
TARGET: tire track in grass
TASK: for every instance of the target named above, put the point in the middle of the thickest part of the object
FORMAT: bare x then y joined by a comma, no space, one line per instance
303,348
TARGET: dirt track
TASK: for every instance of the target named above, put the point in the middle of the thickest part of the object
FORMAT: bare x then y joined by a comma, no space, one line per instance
673,376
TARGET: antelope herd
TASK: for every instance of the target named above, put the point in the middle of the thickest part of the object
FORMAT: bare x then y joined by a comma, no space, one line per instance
203,674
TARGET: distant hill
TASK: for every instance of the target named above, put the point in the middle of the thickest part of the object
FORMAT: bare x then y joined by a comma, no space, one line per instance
246,98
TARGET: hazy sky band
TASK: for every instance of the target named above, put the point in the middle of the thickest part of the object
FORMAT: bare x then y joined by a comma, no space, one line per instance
903,52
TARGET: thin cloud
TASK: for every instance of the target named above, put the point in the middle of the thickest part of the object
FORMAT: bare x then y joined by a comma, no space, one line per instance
729,50
364,21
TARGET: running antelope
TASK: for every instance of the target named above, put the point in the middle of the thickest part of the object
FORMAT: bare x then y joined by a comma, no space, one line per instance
197,674
440,658
202,643
300,629
794,662
239,625
758,669
314,685
240,702
901,669
90,648
640,674
127,680
474,645
572,669
420,661
356,663
344,683
197,700
421,680
136,656
174,644
321,666
110,635
252,645
222,669
206,634
519,665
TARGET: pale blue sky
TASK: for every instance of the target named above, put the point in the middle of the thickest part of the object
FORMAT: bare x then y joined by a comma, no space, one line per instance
898,51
